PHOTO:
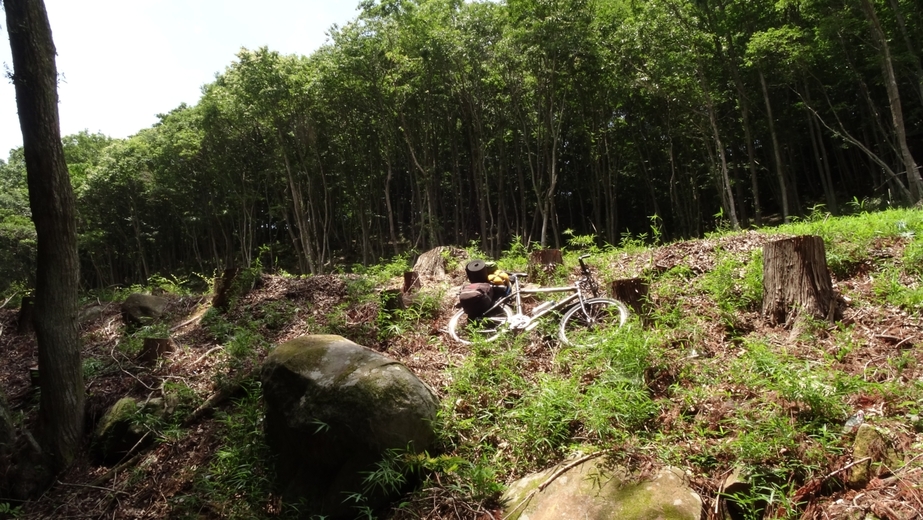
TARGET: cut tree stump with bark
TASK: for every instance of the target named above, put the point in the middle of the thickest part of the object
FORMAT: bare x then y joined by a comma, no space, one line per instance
224,288
543,263
796,281
632,292
154,349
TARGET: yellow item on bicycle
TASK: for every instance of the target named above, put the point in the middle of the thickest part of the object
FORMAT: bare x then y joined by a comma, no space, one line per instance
498,278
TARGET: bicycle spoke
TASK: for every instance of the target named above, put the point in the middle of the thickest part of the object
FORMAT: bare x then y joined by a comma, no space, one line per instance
466,329
590,323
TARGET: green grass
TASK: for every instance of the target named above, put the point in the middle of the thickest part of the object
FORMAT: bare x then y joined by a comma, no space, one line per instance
237,482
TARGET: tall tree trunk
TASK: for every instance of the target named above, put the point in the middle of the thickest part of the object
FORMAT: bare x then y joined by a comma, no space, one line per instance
914,182
51,198
777,155
727,191
914,58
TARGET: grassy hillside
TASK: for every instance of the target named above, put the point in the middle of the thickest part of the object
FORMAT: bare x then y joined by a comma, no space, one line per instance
700,381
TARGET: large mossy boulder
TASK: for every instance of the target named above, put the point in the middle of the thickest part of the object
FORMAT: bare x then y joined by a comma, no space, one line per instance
142,309
594,490
333,409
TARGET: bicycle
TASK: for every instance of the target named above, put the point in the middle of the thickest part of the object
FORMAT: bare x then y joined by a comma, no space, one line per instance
584,320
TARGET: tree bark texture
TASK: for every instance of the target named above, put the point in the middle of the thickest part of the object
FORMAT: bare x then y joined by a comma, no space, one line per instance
51,199
632,292
796,281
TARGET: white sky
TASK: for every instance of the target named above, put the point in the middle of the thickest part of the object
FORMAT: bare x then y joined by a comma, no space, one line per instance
123,62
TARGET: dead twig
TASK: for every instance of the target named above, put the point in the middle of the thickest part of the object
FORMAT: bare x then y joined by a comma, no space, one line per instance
89,486
205,355
9,299
844,468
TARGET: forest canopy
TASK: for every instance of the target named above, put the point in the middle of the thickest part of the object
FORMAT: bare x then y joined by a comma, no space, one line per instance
528,122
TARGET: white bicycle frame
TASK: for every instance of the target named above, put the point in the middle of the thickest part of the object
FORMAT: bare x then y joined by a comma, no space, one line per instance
522,321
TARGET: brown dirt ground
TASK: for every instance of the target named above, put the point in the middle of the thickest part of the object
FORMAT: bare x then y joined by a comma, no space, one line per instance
89,490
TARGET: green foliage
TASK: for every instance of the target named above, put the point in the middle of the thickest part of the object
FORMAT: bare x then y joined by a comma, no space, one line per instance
218,327
913,258
735,284
243,343
582,243
171,284
892,287
276,314
848,240
237,481
9,511
516,258
821,392
132,342
538,415
425,306
17,259
92,367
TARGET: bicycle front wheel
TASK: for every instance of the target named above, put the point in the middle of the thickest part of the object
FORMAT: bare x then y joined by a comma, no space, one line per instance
465,329
586,325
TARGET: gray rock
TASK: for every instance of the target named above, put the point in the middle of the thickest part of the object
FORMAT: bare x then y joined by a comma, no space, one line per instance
143,309
90,313
595,491
333,408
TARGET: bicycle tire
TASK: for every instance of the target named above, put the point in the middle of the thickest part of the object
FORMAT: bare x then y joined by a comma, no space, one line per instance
579,328
466,330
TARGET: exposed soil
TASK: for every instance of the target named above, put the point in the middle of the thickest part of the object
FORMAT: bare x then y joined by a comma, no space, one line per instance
147,487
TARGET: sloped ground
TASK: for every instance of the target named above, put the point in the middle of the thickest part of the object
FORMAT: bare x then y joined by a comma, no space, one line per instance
865,344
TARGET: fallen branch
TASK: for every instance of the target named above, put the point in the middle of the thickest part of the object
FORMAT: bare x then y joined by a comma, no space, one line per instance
568,466
8,300
203,356
187,322
216,399
90,486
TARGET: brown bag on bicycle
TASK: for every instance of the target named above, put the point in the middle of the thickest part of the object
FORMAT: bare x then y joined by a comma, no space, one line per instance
477,298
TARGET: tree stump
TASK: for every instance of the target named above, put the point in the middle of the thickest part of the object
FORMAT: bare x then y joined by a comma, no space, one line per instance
543,263
796,281
224,285
411,282
154,349
632,292
24,324
435,263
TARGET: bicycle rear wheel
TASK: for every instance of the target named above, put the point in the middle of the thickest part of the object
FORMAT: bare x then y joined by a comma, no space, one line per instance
586,325
465,329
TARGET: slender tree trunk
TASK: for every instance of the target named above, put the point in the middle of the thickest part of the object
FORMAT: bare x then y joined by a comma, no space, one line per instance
914,182
51,199
728,192
777,156
299,213
911,48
